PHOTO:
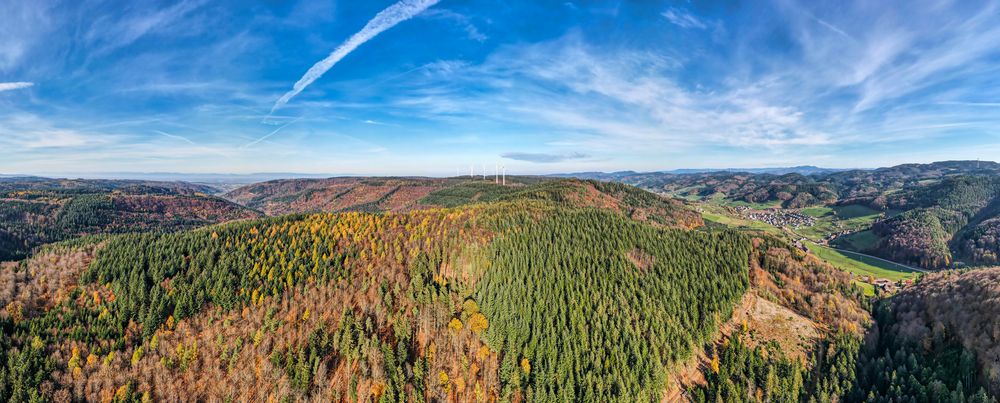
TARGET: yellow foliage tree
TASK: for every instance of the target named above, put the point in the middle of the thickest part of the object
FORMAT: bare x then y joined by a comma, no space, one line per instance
455,325
478,323
443,381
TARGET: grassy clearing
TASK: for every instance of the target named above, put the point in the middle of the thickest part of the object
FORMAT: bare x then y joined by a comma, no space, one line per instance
852,211
816,211
755,206
718,215
859,241
860,264
867,289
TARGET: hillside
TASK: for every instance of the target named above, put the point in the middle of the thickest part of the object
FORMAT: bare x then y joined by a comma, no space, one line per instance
36,211
794,189
549,291
936,340
407,194
287,196
414,306
932,216
948,221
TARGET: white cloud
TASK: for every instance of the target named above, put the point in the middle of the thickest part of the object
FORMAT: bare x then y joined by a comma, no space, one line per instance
28,131
683,19
617,98
15,85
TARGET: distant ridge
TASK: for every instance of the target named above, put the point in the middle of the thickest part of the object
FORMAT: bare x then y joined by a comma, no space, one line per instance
802,170
211,178
957,166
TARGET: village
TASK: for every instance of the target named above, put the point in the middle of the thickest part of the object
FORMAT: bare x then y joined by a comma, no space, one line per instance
775,217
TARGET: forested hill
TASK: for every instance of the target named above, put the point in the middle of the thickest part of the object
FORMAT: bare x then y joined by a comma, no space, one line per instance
547,291
407,194
36,211
934,216
793,190
957,219
936,341
286,196
29,183
515,294
483,302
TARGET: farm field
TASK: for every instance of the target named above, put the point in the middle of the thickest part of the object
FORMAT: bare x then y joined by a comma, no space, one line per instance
862,265
832,220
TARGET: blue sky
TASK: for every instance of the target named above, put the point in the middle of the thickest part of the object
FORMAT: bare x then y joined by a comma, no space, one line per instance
427,87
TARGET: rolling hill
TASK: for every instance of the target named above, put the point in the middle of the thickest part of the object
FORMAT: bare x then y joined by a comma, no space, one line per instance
408,194
948,221
36,211
936,341
931,215
512,294
545,290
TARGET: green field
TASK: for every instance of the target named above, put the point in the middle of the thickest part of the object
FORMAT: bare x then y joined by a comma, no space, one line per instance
852,211
830,220
859,241
867,289
755,206
816,211
860,264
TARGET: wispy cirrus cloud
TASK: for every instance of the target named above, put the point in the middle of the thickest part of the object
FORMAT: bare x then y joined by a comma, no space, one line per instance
683,19
115,31
461,20
15,85
617,98
764,81
382,21
32,132
25,24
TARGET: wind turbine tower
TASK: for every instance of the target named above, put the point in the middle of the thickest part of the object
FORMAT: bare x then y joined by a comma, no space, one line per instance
504,175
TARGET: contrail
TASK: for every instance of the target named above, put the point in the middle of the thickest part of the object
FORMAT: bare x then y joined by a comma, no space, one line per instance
14,86
174,136
384,20
266,136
